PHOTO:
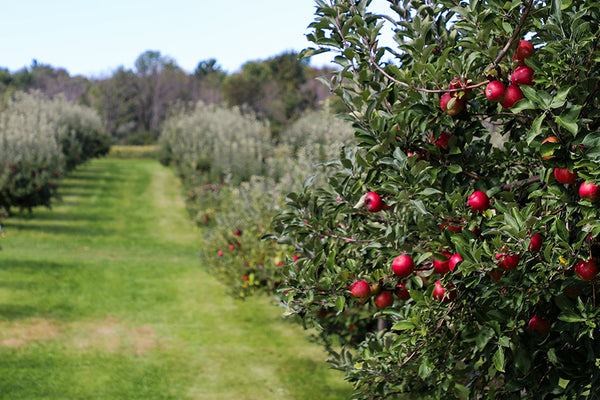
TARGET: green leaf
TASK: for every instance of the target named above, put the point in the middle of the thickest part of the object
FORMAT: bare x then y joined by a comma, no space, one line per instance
455,169
536,128
340,302
571,317
498,359
483,337
567,122
425,370
403,325
561,97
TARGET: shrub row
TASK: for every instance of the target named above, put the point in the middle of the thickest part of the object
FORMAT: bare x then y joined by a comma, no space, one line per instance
235,193
40,140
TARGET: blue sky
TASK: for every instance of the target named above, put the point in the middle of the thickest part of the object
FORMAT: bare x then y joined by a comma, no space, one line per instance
93,38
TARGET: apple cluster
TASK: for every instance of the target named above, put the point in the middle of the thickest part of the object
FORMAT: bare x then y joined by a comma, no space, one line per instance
507,96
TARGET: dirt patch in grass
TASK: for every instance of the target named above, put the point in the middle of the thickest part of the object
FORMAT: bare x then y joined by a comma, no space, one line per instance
110,335
26,332
106,335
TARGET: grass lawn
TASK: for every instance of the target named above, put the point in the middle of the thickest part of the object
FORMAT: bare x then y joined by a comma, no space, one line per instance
104,297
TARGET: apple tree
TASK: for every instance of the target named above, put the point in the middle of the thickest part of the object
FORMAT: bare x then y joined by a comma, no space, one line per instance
454,252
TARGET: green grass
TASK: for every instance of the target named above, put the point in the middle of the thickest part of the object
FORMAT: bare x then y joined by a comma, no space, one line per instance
104,297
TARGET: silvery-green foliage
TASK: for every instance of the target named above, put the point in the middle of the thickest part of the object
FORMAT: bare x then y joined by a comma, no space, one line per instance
31,157
215,141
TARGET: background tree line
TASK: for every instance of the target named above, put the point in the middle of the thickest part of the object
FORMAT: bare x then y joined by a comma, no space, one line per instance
134,102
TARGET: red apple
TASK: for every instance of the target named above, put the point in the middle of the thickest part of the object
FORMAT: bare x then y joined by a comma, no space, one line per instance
513,94
495,91
563,175
403,265
523,75
441,294
373,202
401,291
384,299
360,289
479,201
442,140
442,267
590,192
451,108
524,50
454,260
540,324
586,270
508,262
535,244
237,232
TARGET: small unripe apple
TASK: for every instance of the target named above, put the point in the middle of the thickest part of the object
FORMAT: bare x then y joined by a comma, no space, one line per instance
451,105
495,91
523,75
590,192
509,262
442,267
384,299
360,289
479,201
586,270
524,50
540,324
535,244
401,291
563,175
373,202
454,260
512,95
443,295
442,140
403,265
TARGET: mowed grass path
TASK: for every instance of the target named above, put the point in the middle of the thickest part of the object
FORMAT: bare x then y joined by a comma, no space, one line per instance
104,297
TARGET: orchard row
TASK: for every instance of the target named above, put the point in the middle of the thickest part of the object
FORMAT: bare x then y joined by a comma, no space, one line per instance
40,140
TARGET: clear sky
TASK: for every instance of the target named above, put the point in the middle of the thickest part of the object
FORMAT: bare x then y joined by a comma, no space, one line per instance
93,38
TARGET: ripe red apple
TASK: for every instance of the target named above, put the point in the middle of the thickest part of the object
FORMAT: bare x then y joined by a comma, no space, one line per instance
360,289
479,201
442,267
523,75
524,50
373,202
384,299
441,294
454,260
495,91
451,108
590,192
563,175
586,270
403,265
220,253
535,244
540,324
401,291
508,262
442,140
512,95
237,232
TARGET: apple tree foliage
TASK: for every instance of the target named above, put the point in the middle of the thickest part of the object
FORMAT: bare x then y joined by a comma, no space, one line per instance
485,342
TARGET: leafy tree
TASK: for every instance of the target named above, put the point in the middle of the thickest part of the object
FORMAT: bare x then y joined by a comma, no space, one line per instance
517,316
